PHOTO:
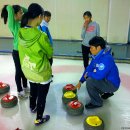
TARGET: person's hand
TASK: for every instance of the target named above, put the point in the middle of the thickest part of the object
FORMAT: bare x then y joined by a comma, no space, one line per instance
78,86
85,24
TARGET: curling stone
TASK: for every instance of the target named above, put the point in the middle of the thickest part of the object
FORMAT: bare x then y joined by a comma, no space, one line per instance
75,108
4,88
9,101
69,96
69,87
93,122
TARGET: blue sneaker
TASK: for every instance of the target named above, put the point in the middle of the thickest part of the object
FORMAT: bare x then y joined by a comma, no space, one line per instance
41,121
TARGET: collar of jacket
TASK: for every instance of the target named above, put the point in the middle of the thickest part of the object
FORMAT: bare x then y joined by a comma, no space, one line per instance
98,55
44,23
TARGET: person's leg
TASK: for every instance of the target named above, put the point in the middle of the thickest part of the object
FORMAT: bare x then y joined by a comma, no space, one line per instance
41,100
33,96
97,87
17,70
85,53
51,61
18,75
24,80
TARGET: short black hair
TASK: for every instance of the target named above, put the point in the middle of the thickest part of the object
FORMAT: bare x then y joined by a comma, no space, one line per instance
47,13
98,41
16,8
34,10
88,13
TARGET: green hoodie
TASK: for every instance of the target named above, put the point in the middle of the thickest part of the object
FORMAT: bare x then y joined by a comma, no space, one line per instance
13,24
35,52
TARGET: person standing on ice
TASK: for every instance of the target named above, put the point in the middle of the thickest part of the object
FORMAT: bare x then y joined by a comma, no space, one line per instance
35,52
12,16
89,30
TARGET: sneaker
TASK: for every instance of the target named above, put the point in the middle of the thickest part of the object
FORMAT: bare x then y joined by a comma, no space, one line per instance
33,110
22,95
41,121
91,106
106,95
26,90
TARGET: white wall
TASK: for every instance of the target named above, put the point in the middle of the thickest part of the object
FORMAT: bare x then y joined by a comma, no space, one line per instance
118,23
67,17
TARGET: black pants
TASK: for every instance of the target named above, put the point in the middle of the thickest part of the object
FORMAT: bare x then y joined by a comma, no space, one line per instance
51,61
19,76
38,94
85,53
97,87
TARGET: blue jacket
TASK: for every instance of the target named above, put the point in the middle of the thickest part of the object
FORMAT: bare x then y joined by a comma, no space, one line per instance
103,66
44,27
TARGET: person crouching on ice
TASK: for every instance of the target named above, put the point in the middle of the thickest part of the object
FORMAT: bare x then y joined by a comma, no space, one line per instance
102,75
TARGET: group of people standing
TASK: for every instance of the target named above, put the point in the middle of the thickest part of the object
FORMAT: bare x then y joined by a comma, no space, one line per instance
33,52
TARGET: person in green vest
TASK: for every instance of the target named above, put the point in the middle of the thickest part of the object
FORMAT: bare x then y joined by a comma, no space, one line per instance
12,16
35,51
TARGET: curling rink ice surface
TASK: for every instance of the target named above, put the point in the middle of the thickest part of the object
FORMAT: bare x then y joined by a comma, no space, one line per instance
115,111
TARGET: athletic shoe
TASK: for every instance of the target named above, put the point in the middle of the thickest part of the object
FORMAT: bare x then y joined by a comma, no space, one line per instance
43,120
26,90
22,95
91,106
106,95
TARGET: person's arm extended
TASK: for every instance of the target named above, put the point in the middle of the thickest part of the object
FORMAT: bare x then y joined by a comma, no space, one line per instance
10,20
88,69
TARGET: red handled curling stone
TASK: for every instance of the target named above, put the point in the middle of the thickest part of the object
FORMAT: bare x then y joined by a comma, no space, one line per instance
75,108
9,101
4,88
69,87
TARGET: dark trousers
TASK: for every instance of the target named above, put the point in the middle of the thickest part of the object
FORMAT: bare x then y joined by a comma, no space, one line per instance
85,53
97,87
51,61
38,94
19,76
